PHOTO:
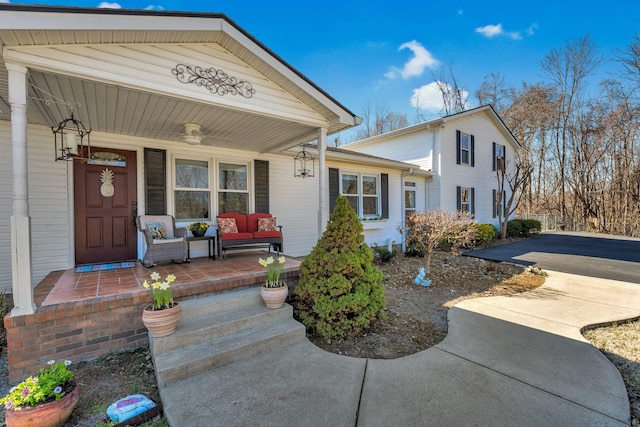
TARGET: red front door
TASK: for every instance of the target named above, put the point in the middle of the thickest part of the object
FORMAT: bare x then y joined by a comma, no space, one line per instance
105,207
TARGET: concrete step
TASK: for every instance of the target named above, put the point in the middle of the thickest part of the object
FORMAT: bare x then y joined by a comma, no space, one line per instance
220,329
207,325
209,354
220,302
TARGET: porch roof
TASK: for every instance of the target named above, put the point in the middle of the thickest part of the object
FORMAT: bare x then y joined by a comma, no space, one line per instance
25,29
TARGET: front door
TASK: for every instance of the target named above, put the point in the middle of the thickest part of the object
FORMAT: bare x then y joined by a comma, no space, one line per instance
105,206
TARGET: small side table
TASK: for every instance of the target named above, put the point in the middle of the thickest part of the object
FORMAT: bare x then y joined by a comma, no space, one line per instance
211,245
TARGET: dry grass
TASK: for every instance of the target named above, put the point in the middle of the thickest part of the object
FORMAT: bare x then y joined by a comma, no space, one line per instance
620,342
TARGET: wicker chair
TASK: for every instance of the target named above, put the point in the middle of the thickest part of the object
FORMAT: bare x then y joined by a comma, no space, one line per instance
164,241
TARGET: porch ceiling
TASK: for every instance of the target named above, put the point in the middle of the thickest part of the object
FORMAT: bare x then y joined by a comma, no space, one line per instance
111,108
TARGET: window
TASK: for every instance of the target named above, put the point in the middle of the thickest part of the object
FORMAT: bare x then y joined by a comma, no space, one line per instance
465,200
362,192
233,188
465,149
498,157
192,192
409,200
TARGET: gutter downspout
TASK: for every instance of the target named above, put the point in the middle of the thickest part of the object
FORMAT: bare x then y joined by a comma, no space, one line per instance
403,241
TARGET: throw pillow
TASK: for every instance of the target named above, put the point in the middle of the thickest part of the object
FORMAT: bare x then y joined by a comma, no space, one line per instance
157,229
227,225
267,224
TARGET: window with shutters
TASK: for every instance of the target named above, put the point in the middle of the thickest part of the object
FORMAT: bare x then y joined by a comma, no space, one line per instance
465,149
192,192
363,193
465,200
233,188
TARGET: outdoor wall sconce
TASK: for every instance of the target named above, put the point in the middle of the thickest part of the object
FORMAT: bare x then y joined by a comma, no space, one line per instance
71,140
303,165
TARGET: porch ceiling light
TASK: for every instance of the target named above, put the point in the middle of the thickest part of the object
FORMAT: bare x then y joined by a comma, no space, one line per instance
303,165
192,134
71,138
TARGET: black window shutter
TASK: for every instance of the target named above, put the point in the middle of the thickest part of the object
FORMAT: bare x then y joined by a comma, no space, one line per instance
458,198
334,187
155,179
473,151
458,147
384,187
495,202
473,200
494,157
261,179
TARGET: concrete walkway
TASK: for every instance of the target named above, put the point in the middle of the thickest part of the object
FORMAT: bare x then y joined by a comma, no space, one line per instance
507,361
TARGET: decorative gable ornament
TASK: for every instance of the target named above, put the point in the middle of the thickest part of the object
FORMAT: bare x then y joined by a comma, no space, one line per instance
215,80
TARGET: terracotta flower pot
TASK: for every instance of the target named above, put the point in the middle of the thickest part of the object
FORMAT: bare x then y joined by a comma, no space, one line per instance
274,297
50,414
161,323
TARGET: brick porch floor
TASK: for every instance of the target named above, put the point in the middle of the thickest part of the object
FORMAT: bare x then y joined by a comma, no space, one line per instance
61,287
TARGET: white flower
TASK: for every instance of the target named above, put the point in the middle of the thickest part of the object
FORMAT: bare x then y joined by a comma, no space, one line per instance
51,362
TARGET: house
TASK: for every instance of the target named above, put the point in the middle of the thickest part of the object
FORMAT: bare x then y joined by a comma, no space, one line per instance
463,151
187,114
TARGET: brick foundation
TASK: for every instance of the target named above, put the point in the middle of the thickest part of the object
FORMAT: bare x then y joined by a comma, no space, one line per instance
90,328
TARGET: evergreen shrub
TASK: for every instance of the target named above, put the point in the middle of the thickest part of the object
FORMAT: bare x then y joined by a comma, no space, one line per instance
340,291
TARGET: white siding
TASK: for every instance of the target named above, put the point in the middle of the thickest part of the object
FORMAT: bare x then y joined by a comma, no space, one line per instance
48,206
415,147
481,177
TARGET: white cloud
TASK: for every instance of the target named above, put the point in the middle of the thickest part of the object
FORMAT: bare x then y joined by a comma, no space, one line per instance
154,7
532,29
4,1
421,59
107,5
490,31
429,97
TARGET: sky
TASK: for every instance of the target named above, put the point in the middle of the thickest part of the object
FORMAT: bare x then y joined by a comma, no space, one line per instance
374,53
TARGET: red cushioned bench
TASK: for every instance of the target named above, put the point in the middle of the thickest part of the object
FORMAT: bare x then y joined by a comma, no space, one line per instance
237,230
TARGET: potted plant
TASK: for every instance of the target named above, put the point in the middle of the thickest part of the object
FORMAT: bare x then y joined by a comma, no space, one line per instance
198,229
274,292
161,317
44,400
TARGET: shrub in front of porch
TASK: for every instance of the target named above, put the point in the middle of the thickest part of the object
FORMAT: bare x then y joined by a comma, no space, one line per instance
340,291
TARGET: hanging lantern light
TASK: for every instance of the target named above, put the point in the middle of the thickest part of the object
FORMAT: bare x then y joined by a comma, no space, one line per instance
303,165
71,140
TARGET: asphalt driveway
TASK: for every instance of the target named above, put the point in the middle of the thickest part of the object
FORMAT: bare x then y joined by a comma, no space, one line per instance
587,254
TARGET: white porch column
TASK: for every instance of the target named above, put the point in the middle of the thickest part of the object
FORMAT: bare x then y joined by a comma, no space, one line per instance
323,212
20,220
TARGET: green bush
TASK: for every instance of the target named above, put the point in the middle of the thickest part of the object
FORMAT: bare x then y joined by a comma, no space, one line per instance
514,228
340,291
484,234
530,226
383,254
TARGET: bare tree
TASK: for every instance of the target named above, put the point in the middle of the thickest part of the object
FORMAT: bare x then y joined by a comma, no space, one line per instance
454,97
427,229
514,182
379,121
568,69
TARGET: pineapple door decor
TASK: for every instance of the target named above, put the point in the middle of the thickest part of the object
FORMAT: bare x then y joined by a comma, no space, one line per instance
106,177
